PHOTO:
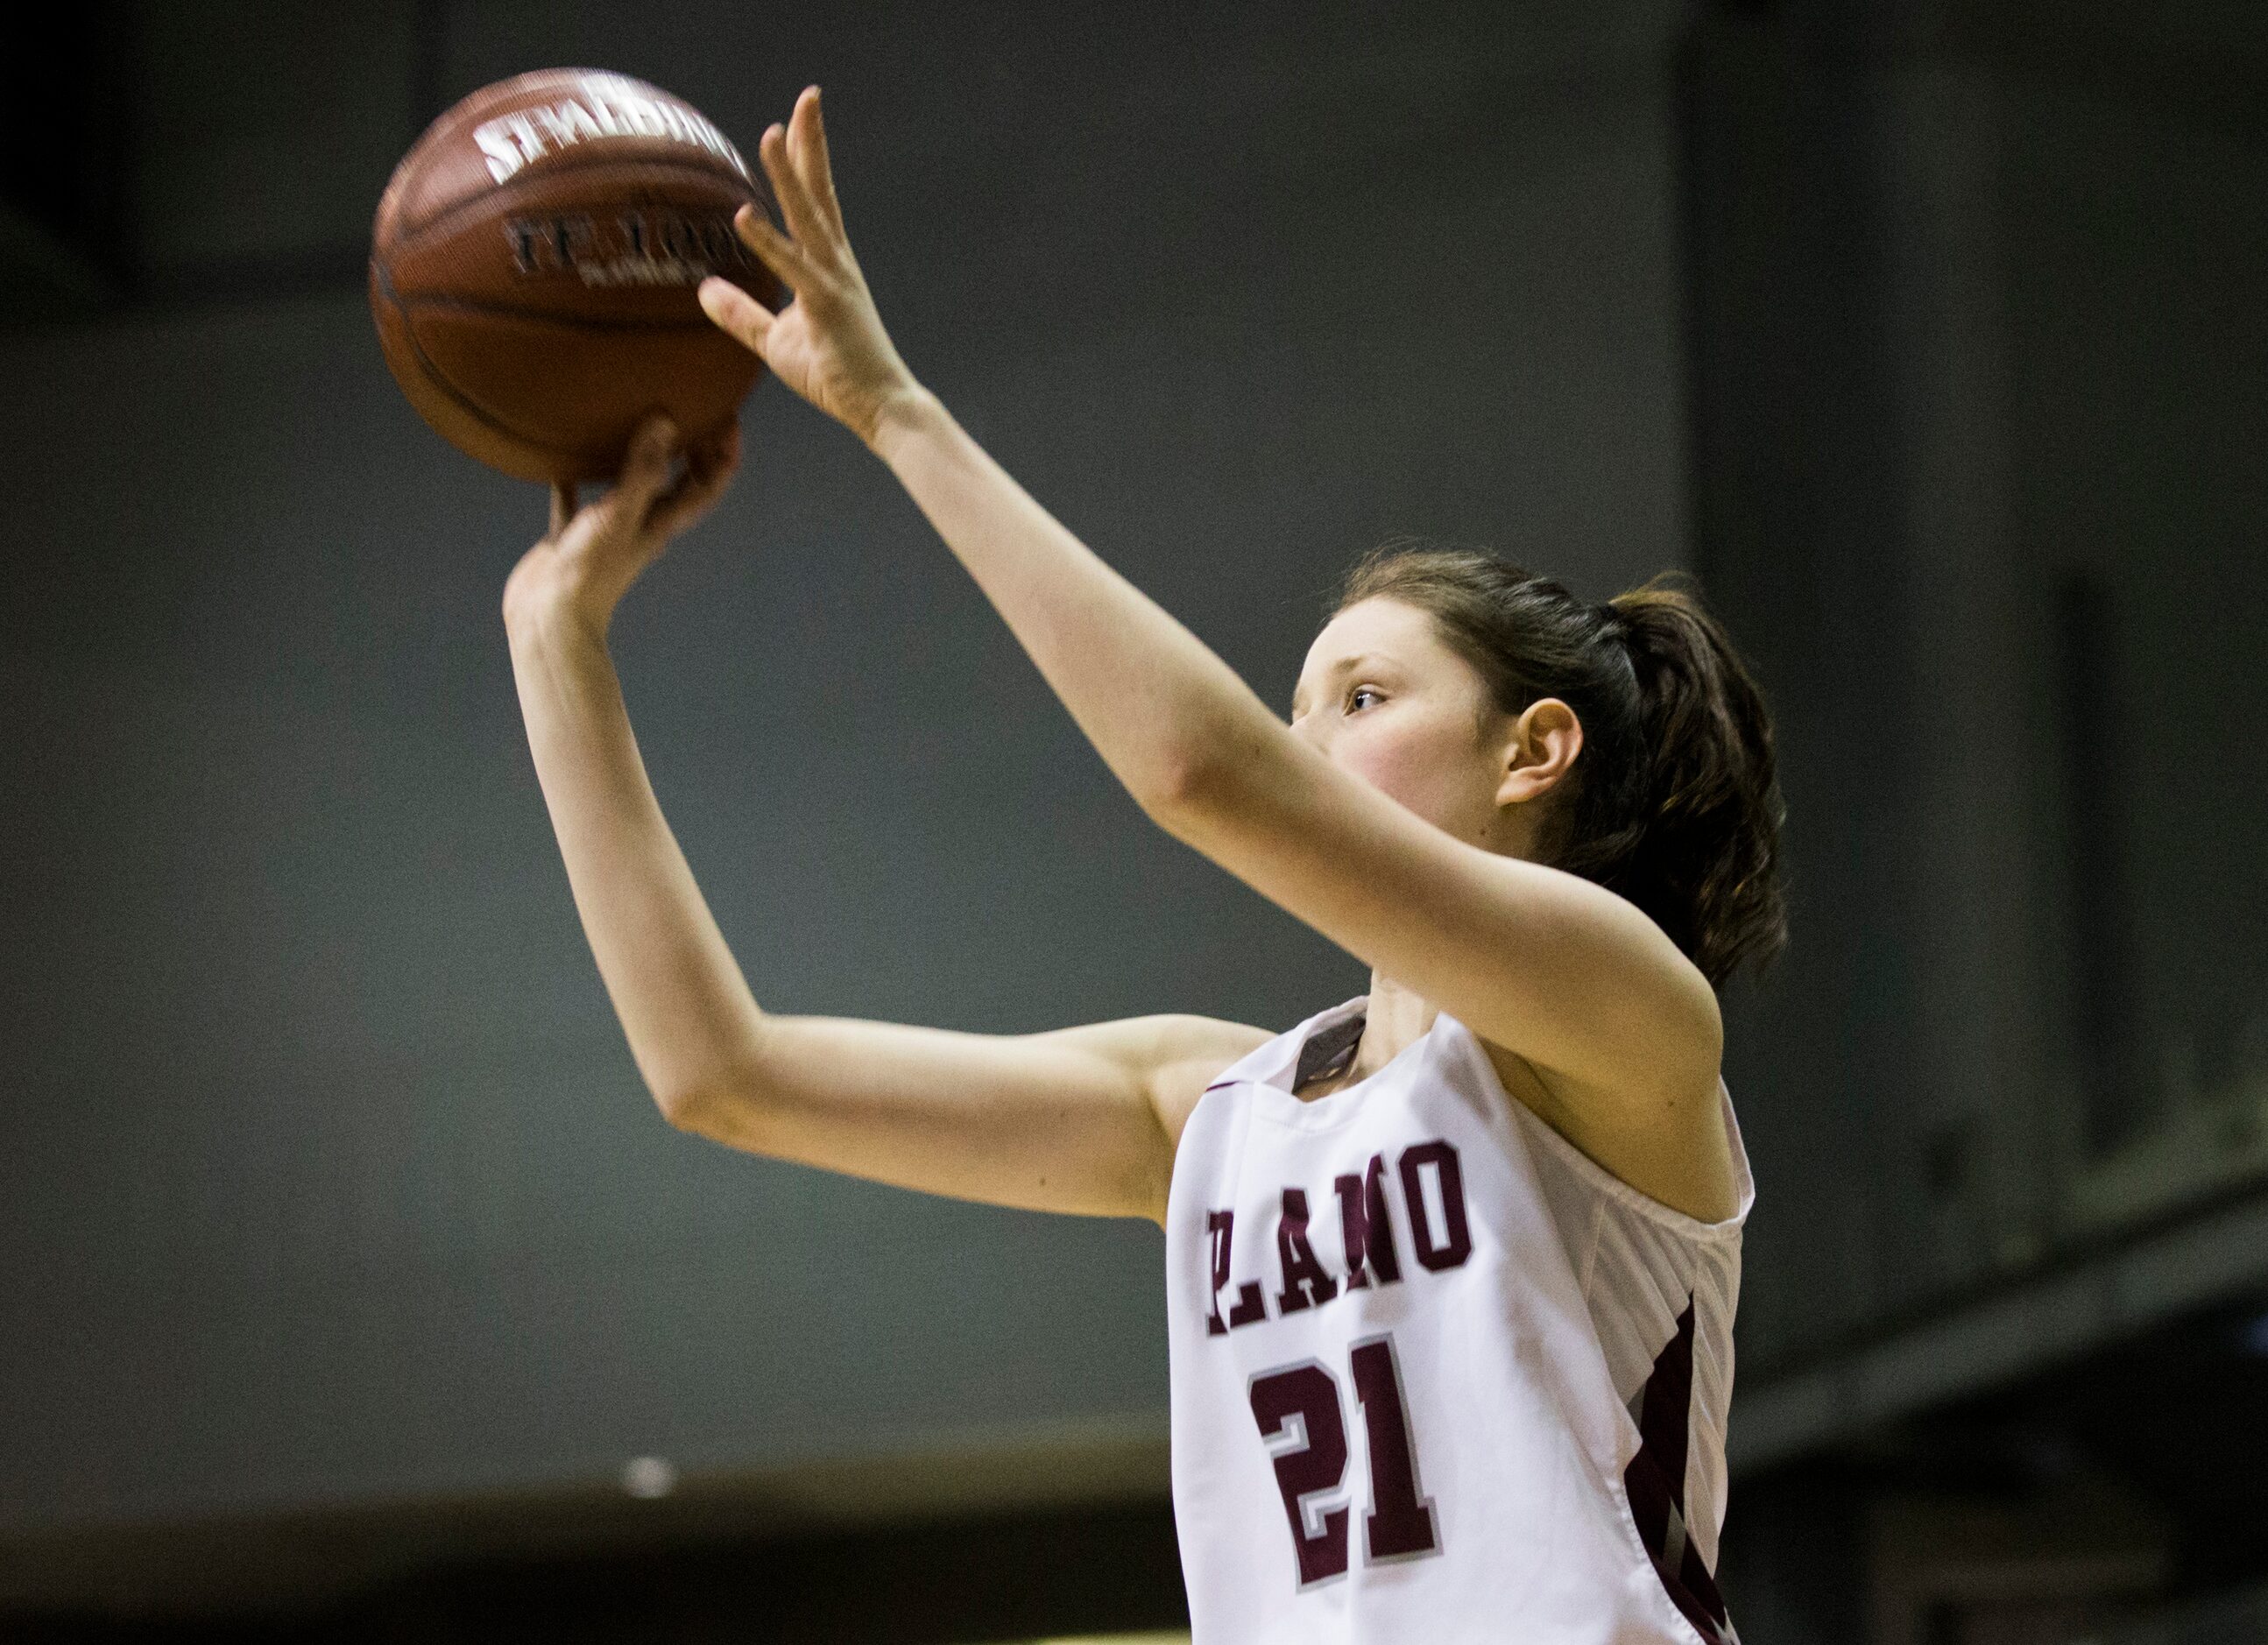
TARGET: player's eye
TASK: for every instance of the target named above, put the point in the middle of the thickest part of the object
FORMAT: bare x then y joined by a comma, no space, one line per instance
1361,691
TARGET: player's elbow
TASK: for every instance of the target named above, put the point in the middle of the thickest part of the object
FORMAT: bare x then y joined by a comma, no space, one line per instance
1164,783
717,1107
722,1094
722,1116
684,1106
1194,781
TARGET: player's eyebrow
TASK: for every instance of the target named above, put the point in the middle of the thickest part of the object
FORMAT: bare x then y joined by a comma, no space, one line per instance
1338,668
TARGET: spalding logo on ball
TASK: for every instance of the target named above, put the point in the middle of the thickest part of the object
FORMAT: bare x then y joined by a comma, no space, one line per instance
533,264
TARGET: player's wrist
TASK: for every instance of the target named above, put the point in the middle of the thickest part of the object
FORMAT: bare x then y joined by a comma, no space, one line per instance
564,618
905,413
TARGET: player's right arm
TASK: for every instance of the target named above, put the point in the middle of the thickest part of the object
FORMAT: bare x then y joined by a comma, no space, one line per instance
1080,1119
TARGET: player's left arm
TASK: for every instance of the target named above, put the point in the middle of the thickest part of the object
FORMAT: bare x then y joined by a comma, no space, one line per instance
1564,973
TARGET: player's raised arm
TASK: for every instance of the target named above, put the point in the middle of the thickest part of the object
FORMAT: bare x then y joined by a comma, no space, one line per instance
1567,976
1079,1120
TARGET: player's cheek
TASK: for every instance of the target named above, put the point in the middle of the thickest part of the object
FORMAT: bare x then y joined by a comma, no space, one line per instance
1413,769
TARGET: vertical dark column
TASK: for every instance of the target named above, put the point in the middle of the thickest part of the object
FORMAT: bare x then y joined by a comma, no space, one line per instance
428,68
62,136
2098,885
1795,1556
1797,482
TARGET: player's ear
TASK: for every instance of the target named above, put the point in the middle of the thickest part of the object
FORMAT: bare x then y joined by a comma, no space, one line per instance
1539,750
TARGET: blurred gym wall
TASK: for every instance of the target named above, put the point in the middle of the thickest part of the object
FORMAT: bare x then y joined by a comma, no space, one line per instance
1928,335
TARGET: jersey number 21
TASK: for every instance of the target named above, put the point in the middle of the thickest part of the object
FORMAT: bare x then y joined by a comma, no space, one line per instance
1303,1423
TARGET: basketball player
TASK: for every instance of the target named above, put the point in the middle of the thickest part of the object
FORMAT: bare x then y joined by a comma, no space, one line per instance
1451,1265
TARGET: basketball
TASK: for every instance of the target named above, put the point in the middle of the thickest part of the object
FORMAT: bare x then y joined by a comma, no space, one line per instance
534,265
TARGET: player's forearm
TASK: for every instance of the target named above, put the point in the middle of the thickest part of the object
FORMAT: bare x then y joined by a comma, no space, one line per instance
684,1005
1151,697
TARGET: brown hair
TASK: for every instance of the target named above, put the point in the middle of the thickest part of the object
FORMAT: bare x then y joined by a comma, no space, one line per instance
1674,803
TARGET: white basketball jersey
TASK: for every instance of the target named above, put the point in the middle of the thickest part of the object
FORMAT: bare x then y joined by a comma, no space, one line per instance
1436,1374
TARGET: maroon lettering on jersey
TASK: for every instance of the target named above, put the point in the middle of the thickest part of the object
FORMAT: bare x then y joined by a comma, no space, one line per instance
1304,1427
1455,1242
1306,1282
1250,1306
1298,1409
1368,1229
1400,1525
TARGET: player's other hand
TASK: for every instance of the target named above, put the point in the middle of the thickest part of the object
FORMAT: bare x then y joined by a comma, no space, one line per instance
592,555
827,344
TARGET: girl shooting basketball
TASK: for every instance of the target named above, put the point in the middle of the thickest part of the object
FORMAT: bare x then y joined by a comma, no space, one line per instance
1451,1264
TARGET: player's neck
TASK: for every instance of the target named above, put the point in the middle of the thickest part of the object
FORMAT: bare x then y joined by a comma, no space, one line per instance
1395,1018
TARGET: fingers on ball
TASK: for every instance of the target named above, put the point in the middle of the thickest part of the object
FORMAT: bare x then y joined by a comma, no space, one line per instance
657,441
735,311
783,256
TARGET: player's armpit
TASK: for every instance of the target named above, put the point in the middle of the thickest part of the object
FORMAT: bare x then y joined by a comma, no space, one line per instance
1079,1120
1684,1160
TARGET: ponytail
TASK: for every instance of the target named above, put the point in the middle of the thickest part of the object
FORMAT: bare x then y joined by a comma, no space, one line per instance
1673,802
1707,855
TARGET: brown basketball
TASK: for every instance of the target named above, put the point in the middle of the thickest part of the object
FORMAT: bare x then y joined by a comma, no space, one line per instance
534,263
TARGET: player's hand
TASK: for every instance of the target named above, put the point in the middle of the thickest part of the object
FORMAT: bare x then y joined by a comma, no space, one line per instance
828,344
592,555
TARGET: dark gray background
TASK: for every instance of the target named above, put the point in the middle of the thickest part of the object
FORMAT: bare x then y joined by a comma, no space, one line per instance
1929,335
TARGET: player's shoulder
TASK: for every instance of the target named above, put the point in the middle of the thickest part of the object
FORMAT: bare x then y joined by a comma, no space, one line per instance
1176,1054
1164,1038
1203,1046
1194,1050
